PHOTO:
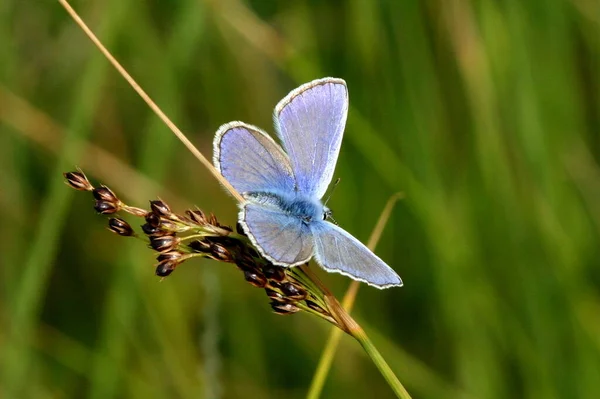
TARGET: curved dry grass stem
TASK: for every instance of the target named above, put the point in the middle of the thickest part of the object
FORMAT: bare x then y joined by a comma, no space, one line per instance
318,381
149,101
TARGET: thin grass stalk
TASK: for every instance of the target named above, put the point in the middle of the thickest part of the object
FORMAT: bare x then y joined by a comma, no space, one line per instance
326,360
205,162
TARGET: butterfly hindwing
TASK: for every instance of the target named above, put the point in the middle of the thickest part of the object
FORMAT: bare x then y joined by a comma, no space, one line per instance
281,238
338,251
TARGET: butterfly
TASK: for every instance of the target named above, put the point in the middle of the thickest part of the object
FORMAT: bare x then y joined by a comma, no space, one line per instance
282,213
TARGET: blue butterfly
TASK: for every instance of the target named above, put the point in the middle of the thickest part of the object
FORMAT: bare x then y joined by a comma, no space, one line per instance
282,213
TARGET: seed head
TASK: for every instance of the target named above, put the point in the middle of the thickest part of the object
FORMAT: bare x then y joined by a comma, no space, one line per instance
254,278
160,208
152,219
120,227
284,308
275,296
165,268
106,207
78,181
197,216
274,273
164,243
172,255
220,252
200,246
104,193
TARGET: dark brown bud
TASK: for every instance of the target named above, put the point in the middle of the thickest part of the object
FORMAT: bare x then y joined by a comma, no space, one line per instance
160,208
165,268
200,246
220,253
105,207
284,308
78,181
152,219
275,296
155,231
248,264
256,279
104,193
172,255
275,273
164,243
197,216
293,292
120,227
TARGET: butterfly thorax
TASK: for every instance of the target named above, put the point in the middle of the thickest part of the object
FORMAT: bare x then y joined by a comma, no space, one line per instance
296,204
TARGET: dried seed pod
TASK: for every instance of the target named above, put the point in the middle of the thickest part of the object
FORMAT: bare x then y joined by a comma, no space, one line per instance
172,255
200,246
275,296
152,219
160,208
293,292
256,279
120,227
78,181
196,216
248,264
220,253
106,207
104,193
150,230
165,268
164,243
284,308
275,273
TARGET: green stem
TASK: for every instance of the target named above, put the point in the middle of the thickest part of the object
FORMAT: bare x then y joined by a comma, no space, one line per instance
360,335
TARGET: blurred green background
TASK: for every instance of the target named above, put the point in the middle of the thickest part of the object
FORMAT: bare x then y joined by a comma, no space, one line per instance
485,114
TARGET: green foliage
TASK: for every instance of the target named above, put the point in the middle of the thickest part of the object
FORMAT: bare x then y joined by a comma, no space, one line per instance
485,114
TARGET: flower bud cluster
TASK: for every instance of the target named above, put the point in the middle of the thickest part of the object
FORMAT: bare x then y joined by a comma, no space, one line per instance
177,238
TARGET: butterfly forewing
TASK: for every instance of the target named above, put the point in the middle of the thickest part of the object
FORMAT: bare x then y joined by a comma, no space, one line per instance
310,122
250,160
338,251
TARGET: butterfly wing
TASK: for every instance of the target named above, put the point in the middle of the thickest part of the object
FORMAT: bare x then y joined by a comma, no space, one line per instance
338,251
310,122
282,239
250,160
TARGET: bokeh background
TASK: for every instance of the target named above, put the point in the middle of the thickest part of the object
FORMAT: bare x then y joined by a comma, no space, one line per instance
485,114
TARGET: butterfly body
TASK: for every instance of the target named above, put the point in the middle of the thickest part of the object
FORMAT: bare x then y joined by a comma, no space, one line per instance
282,213
296,205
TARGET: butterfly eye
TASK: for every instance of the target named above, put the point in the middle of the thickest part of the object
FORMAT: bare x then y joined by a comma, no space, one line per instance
327,214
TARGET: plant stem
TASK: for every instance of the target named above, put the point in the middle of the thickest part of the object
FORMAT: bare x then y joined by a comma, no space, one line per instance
360,335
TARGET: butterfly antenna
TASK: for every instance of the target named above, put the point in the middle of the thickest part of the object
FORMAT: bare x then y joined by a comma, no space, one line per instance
332,190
